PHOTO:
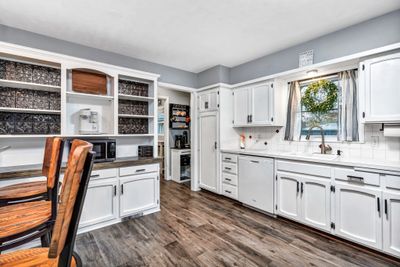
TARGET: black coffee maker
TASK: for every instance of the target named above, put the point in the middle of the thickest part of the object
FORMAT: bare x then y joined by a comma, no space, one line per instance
179,142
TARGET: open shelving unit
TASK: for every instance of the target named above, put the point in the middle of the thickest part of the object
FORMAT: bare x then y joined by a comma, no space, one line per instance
30,97
37,76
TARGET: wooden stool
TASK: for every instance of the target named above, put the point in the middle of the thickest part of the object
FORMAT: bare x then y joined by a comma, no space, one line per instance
41,189
72,196
35,214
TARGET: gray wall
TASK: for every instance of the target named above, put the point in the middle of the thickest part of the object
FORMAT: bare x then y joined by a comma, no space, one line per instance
30,39
374,33
213,75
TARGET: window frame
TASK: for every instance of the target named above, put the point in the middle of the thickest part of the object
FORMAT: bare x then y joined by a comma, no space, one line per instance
317,137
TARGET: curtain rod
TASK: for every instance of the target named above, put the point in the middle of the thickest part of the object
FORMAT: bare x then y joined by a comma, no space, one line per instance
320,77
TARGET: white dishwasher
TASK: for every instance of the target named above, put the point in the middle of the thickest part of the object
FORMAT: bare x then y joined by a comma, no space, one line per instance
256,182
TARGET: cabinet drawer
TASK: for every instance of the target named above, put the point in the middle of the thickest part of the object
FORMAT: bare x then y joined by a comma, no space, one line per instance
304,168
353,176
229,191
392,181
229,158
138,169
229,178
102,174
229,167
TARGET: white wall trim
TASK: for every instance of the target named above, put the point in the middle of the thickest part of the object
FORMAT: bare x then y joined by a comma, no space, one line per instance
355,56
176,87
211,86
34,53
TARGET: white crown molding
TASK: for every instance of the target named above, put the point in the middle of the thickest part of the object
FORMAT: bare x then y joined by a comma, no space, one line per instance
355,56
39,54
177,87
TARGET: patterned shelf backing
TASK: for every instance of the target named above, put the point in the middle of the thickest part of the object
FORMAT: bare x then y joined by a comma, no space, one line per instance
133,88
26,123
133,126
23,72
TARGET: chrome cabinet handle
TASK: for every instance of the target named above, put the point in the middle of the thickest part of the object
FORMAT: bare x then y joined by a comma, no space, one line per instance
355,178
122,189
227,191
140,170
94,175
228,179
115,190
228,168
254,161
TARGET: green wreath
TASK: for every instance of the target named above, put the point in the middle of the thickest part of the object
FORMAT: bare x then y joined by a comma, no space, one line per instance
320,96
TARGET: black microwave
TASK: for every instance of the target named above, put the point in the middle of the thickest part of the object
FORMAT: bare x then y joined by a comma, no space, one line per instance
106,149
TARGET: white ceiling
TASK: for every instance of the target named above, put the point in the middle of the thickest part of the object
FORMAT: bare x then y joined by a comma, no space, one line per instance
190,34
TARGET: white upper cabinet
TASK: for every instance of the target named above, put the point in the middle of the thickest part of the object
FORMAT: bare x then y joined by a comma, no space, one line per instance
254,105
208,101
261,104
241,103
380,89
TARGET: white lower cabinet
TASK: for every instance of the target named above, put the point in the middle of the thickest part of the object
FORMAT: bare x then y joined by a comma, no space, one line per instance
288,200
316,202
138,193
358,214
116,193
391,223
101,202
305,199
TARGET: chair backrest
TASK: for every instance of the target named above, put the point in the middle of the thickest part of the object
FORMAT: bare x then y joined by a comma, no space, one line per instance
52,160
69,190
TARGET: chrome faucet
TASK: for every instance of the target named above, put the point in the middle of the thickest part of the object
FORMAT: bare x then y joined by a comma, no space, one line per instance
324,148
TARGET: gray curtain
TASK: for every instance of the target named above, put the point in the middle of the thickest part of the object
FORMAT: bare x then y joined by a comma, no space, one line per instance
348,120
293,119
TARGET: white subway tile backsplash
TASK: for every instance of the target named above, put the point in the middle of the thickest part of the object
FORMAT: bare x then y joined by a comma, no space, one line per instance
375,145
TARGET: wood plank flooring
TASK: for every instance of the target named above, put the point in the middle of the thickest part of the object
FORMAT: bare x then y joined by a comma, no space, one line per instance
203,229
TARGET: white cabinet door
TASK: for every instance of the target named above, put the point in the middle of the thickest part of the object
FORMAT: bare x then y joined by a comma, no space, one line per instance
208,101
241,101
391,223
101,202
256,182
315,202
260,105
208,151
358,214
288,196
138,193
382,89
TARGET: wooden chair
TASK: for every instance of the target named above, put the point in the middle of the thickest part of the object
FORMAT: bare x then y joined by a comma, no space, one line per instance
47,190
70,205
34,214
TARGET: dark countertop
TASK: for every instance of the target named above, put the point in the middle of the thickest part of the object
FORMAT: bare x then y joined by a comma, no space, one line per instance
34,170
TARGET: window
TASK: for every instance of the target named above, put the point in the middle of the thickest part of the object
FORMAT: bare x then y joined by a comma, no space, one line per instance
329,121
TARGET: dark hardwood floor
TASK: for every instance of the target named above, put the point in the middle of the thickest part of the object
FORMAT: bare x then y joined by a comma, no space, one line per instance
203,229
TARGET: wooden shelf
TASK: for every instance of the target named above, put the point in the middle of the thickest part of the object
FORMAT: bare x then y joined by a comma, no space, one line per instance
134,97
30,86
91,96
136,116
28,110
